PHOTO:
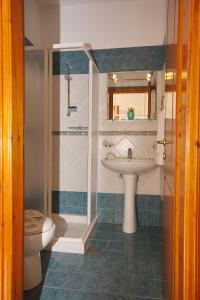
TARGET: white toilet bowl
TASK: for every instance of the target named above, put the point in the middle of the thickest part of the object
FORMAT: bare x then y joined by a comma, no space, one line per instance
38,233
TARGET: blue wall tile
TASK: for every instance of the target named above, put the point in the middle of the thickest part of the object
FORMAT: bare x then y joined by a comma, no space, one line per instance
84,211
111,60
148,208
148,202
141,202
129,59
119,201
109,206
142,217
69,202
118,217
106,215
60,196
84,195
75,199
105,200
154,202
77,59
153,218
74,210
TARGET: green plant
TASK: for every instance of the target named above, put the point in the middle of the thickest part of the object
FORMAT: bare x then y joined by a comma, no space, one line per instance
130,109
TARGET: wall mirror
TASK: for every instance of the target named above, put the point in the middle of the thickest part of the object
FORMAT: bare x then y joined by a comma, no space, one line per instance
132,95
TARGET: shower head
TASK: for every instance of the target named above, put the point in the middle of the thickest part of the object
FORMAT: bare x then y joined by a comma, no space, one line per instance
68,73
69,66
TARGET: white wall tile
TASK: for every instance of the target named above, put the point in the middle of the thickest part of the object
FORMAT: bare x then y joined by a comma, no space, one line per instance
70,159
79,97
70,153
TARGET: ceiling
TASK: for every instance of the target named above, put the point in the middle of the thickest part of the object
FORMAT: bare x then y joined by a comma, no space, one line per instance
78,2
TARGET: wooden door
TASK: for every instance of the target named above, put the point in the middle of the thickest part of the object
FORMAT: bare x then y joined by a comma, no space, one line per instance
170,148
182,167
11,149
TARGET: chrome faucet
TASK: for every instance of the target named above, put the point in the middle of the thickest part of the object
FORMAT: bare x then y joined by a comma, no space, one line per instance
130,153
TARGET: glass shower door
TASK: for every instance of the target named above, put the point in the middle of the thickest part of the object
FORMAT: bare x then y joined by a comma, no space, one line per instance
35,129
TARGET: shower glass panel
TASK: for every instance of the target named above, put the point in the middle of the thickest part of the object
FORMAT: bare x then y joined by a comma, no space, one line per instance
35,129
70,111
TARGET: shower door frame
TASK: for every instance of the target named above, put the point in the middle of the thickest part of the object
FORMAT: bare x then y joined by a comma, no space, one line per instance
73,47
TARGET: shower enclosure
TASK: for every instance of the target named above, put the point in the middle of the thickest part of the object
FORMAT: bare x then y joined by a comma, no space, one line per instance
68,135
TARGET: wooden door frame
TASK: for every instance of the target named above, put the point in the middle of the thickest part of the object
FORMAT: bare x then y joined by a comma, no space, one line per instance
11,149
190,76
186,231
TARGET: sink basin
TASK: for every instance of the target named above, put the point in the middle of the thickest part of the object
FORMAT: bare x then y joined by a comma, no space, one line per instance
129,166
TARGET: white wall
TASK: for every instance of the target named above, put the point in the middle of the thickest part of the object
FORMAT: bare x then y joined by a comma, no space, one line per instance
103,25
42,23
33,22
51,25
114,25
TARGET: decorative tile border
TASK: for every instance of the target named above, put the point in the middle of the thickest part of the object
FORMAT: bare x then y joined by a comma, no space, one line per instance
71,132
124,132
103,133
111,60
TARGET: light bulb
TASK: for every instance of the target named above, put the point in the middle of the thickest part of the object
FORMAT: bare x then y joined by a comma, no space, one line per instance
149,76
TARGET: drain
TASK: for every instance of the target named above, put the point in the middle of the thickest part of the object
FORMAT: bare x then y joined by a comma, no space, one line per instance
93,250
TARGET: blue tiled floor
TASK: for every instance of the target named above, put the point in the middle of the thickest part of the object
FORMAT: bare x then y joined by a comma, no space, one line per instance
117,266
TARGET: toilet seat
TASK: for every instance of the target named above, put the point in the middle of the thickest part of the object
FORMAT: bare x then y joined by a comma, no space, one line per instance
35,222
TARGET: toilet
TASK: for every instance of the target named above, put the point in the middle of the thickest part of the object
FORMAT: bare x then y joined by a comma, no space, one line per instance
38,233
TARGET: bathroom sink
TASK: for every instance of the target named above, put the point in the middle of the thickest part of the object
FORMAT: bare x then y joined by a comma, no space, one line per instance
129,166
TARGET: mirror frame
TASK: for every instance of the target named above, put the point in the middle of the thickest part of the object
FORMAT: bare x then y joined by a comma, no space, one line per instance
132,89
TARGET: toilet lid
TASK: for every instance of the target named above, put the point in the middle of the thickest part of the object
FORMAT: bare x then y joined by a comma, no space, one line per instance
36,222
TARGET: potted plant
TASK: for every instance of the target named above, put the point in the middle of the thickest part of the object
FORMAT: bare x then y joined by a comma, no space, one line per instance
131,113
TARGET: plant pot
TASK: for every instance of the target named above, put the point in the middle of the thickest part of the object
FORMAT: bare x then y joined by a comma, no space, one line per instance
130,115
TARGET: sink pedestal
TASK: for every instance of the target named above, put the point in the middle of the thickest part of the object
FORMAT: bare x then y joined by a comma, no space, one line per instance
130,168
130,221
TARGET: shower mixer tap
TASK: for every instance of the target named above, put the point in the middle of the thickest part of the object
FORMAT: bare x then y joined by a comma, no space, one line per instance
68,77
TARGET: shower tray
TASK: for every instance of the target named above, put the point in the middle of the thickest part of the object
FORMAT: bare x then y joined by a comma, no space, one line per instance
72,233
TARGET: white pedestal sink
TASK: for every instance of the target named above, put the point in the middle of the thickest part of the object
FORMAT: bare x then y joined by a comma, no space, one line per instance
130,168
